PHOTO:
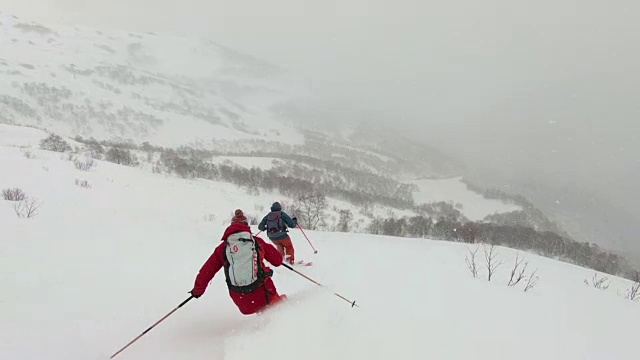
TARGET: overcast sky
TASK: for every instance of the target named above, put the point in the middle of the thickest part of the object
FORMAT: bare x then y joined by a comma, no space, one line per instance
539,88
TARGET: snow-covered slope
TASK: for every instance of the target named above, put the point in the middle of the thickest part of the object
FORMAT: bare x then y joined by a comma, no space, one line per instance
473,205
99,265
164,89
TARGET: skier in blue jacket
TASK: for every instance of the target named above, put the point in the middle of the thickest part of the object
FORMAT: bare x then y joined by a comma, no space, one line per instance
275,225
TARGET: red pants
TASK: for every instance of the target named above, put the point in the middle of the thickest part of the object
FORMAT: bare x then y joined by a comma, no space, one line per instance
285,247
264,296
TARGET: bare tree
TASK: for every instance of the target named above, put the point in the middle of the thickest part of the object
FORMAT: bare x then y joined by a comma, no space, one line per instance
344,222
490,260
533,279
517,273
26,208
310,208
470,260
633,293
601,283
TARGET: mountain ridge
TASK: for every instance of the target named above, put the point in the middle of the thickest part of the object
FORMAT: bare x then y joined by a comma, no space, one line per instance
175,91
130,86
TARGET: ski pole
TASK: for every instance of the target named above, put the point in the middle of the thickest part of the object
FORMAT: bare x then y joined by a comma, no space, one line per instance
152,326
305,236
353,303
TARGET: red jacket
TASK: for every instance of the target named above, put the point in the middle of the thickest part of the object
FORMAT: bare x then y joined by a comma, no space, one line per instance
247,303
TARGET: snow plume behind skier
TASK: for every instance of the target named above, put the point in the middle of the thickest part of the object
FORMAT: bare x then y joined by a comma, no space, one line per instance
242,256
275,225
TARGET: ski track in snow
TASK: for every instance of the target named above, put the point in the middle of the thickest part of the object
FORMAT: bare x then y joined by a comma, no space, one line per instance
98,266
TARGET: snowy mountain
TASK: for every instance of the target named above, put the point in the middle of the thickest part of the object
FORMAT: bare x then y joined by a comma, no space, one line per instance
112,249
115,85
171,91
192,108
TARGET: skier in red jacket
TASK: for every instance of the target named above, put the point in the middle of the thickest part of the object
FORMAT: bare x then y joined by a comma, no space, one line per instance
248,279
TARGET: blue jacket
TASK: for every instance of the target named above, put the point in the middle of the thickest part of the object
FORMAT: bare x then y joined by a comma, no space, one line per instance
286,220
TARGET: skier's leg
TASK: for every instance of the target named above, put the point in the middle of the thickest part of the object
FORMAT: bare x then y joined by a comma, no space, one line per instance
280,247
273,297
288,248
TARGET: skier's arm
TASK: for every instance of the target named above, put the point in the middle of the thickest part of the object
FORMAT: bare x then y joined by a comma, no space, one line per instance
208,271
263,224
289,221
271,254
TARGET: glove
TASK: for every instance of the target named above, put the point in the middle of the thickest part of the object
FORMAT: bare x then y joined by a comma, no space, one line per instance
269,272
295,219
194,295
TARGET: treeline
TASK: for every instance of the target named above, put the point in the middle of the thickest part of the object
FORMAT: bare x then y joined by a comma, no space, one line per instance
544,243
290,179
117,153
301,174
292,175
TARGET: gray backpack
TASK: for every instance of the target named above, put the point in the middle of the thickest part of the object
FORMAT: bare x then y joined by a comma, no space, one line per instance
275,225
243,268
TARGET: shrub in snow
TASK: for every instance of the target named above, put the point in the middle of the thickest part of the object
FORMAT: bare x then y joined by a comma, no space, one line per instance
83,184
55,143
633,293
601,283
26,208
28,152
531,282
83,163
14,194
209,217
